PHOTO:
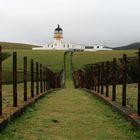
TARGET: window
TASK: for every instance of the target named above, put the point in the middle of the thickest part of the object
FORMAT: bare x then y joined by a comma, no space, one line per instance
68,45
48,46
89,47
52,45
64,45
98,47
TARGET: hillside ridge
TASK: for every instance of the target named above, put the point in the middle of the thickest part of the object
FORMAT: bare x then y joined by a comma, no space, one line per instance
13,45
133,46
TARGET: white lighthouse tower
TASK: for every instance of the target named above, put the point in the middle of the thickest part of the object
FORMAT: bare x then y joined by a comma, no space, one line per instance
58,37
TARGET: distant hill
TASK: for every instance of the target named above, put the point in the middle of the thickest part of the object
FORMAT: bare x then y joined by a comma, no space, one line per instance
107,47
133,46
9,45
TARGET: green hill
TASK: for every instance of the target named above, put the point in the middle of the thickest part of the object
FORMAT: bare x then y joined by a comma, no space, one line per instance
83,58
133,46
9,45
52,59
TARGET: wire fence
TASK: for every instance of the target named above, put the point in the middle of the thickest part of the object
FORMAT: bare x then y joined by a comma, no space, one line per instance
118,80
19,85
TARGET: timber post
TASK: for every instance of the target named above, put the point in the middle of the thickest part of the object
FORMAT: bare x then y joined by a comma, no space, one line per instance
14,79
25,78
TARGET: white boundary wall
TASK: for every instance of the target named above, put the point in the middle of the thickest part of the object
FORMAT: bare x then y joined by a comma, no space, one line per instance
69,46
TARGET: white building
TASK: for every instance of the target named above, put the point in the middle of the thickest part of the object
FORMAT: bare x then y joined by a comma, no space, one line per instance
58,44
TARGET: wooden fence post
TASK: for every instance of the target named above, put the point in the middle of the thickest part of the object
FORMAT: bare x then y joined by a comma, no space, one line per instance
41,90
95,78
114,80
55,80
52,80
25,78
59,80
102,78
124,78
44,78
138,104
107,79
98,89
37,78
93,74
14,79
0,80
48,78
32,78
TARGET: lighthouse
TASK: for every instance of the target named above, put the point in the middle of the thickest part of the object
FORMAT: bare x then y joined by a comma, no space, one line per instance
58,44
58,37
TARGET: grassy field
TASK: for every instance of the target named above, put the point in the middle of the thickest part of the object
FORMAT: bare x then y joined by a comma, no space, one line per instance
8,95
52,59
9,45
131,95
70,114
82,58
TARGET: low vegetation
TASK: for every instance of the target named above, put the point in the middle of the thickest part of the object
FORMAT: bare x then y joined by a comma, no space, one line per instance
52,59
5,55
10,45
131,95
70,114
82,58
8,96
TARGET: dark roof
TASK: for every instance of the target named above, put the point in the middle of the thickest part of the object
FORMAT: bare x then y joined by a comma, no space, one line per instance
58,29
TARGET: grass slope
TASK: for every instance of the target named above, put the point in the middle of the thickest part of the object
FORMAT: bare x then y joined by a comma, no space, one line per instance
82,58
52,59
70,114
133,46
10,45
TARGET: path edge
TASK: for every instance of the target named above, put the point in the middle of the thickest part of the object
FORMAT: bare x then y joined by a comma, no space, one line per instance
126,112
18,111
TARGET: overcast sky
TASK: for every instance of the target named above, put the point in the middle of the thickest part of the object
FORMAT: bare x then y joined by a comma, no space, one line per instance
110,22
